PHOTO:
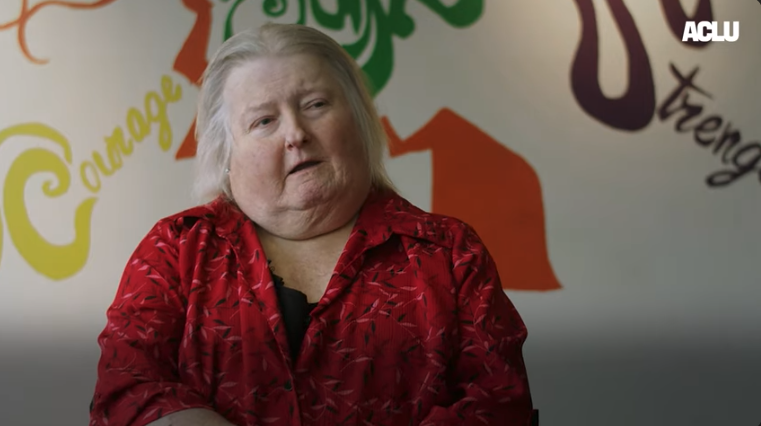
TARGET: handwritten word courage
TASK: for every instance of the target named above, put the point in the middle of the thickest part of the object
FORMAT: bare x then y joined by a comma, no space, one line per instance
57,261
139,127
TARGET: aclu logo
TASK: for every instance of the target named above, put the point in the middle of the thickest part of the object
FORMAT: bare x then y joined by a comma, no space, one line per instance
709,31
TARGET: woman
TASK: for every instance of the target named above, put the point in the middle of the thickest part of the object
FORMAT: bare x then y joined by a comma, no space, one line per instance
307,292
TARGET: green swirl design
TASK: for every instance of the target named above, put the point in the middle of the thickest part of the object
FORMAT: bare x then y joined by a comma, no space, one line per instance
384,25
275,8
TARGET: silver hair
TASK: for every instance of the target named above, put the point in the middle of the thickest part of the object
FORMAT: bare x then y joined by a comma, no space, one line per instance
213,131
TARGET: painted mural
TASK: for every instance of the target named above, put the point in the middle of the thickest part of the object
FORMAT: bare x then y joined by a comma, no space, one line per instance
686,103
611,168
475,177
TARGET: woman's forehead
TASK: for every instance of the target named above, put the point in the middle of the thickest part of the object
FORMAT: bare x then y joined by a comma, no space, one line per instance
267,79
296,69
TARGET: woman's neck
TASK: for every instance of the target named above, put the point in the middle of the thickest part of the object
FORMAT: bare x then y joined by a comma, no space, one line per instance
328,243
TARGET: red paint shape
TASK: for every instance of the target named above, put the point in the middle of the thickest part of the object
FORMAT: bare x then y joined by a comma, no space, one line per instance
478,180
189,144
191,62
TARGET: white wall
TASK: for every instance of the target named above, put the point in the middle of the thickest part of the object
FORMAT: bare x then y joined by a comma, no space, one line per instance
657,319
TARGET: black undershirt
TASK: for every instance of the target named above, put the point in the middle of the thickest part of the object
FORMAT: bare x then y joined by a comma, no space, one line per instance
295,310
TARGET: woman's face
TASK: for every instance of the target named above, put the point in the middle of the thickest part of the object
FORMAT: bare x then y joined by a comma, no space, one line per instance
295,144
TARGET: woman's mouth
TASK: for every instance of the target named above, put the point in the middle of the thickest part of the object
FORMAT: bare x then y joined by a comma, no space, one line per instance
303,166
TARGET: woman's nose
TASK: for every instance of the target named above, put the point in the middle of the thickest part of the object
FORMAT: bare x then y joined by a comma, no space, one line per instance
295,134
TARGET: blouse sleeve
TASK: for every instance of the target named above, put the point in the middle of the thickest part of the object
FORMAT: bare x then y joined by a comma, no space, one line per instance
138,380
489,368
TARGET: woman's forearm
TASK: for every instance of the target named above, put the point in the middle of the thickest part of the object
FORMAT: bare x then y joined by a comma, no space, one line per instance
192,417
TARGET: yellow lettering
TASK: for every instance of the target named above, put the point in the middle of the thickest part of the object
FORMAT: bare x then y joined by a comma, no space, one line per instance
170,96
54,261
115,147
101,165
62,261
89,184
139,127
159,117
136,119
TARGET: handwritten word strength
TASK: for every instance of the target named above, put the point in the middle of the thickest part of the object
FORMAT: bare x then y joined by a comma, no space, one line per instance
711,131
139,124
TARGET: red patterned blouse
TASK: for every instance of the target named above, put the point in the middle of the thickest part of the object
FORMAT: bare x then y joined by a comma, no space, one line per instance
413,329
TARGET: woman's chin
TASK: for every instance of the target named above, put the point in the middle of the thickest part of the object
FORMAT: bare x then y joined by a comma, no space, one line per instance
310,195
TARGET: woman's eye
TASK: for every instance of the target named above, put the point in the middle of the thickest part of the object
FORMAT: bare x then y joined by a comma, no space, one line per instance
263,122
319,104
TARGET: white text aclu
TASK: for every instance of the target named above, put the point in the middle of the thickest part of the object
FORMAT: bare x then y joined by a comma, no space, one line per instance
709,31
